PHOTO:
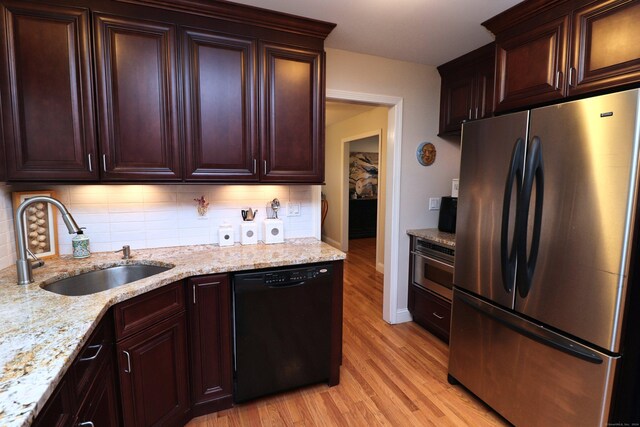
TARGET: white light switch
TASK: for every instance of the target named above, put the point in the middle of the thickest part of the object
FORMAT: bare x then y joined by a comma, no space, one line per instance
434,203
293,209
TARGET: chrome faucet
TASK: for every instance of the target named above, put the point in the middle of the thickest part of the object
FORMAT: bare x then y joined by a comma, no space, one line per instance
23,264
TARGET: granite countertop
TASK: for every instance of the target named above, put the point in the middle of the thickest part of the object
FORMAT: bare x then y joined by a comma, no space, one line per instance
41,332
436,236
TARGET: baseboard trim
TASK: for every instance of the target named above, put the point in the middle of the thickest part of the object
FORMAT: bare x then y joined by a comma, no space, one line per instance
332,242
380,267
403,316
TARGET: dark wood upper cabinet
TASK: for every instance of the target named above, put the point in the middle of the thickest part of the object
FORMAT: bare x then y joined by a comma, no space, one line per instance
136,79
606,40
550,50
467,89
292,114
209,308
530,66
46,86
219,106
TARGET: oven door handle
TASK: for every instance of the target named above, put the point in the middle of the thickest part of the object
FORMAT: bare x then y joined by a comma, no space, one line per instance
434,262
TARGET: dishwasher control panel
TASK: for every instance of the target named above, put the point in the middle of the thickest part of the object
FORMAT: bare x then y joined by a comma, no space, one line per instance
290,276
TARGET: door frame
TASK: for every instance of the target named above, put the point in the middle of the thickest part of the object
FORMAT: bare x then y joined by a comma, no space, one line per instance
392,197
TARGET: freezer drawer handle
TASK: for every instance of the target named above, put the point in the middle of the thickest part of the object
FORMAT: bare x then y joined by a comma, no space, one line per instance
542,336
534,171
508,260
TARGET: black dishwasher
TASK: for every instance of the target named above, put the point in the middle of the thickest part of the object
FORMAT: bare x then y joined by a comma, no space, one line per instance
282,329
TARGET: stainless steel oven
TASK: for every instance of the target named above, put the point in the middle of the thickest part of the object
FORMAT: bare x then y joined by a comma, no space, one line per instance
433,267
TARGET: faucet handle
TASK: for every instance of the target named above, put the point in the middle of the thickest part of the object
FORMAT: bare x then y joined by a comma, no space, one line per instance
126,252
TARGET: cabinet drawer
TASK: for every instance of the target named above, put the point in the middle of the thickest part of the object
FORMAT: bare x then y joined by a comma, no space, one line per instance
91,356
146,310
431,312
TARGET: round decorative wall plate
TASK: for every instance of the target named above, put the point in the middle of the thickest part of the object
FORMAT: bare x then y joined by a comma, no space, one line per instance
426,153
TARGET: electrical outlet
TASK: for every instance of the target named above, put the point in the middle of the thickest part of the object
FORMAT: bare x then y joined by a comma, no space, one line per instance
434,203
293,209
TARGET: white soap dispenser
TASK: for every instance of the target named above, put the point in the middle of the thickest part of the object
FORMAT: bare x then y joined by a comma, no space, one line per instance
80,244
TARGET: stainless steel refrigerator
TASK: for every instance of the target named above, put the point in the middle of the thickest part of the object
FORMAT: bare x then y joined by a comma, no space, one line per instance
546,214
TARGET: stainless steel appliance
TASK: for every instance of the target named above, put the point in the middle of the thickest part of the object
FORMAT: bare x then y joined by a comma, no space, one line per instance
544,242
282,329
433,267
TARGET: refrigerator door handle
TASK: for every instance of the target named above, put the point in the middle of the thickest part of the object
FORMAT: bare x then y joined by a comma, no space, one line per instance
532,331
508,259
534,172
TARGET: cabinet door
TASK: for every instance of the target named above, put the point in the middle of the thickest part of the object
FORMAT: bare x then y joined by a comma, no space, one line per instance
47,106
100,408
484,87
210,329
292,116
457,100
136,74
219,106
153,374
606,46
530,66
59,410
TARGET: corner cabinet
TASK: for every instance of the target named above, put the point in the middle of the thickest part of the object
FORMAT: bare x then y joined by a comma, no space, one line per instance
137,107
547,52
209,308
292,114
467,89
46,91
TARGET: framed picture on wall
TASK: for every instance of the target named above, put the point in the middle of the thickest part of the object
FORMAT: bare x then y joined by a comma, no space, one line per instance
40,231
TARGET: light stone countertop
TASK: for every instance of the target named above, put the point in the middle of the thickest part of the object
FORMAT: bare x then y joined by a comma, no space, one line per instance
436,236
41,333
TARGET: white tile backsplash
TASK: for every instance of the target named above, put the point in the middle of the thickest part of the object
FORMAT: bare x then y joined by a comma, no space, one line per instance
150,216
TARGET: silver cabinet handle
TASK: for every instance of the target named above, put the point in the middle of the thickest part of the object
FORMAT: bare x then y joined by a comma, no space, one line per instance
558,78
90,166
128,370
255,166
194,294
86,359
469,113
265,167
439,317
104,162
86,424
572,76
476,112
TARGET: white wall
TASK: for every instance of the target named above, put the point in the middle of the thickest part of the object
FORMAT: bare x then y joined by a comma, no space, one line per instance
148,216
419,87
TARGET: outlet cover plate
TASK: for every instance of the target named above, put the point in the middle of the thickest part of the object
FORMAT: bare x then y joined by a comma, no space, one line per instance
434,203
293,209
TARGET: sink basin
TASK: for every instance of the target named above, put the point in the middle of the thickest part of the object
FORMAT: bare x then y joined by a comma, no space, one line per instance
101,280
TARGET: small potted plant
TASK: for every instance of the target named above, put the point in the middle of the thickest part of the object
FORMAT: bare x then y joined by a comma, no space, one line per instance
203,206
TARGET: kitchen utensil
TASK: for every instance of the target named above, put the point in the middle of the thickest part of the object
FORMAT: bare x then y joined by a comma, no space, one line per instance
248,215
275,205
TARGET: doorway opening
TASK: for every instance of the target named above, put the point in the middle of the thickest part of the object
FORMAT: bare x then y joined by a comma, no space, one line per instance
388,131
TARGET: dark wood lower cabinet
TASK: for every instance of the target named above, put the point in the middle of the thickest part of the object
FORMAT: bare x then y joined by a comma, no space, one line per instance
210,343
153,375
101,406
430,311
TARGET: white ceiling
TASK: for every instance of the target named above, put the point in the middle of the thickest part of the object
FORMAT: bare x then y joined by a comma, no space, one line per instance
423,31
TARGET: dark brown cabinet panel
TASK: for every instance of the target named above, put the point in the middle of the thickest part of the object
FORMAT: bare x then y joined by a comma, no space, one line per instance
430,311
220,107
46,84
210,338
100,408
467,89
606,46
136,76
292,114
530,66
59,410
154,374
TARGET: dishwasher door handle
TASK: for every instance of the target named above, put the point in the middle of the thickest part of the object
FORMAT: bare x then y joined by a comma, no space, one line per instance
287,285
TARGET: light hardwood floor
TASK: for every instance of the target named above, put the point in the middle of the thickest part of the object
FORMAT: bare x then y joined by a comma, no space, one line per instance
391,375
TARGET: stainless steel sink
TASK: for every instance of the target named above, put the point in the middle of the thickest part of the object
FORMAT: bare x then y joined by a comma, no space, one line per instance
101,280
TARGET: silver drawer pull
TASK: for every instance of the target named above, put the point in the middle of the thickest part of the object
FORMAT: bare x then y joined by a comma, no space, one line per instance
86,424
91,347
439,317
128,370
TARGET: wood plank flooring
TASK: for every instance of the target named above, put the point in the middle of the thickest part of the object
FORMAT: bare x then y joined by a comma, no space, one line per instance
391,375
